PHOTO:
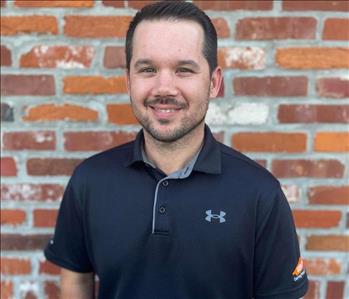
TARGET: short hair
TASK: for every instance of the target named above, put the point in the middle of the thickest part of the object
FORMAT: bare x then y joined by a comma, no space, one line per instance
176,10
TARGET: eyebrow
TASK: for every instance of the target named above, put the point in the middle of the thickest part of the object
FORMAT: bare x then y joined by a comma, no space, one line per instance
190,62
140,62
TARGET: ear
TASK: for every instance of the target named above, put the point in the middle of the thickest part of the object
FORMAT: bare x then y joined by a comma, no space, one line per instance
128,82
216,81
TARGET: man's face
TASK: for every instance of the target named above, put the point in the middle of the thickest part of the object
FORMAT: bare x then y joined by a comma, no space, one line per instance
169,82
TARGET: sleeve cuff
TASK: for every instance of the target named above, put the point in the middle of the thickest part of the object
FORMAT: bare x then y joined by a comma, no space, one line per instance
50,256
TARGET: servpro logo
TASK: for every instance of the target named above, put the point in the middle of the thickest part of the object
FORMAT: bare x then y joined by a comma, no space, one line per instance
299,271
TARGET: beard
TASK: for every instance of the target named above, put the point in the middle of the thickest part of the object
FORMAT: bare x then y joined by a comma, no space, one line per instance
186,125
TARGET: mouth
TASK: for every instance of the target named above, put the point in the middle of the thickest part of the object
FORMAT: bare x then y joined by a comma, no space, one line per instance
165,111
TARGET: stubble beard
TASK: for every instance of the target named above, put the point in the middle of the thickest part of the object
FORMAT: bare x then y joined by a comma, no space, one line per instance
186,126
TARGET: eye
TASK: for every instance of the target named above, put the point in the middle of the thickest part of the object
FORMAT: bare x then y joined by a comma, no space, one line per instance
147,70
184,70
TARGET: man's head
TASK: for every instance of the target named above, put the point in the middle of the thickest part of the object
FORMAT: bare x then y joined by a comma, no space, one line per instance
176,10
169,78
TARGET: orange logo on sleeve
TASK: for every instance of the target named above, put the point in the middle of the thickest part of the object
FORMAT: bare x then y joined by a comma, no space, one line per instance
299,268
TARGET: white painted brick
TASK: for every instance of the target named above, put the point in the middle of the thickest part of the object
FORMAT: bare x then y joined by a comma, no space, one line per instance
241,114
292,192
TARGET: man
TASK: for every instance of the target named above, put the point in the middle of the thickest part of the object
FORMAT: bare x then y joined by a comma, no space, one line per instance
175,214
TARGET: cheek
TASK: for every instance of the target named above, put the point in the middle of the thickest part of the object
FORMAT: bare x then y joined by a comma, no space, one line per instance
139,89
195,89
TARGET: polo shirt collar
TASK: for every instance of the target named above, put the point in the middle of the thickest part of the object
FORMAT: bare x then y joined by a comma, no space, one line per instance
208,161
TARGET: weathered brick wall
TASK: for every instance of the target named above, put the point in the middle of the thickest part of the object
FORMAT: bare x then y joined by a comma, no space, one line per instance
285,104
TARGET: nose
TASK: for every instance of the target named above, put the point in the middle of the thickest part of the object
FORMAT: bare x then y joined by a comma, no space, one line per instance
165,85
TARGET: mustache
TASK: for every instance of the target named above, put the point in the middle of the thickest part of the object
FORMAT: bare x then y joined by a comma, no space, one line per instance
165,101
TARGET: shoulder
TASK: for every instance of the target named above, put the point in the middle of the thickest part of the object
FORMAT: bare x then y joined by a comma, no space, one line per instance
105,162
246,170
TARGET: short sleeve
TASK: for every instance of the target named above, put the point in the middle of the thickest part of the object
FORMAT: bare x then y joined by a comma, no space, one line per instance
278,267
67,248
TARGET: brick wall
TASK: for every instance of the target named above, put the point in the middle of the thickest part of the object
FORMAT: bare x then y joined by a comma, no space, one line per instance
285,104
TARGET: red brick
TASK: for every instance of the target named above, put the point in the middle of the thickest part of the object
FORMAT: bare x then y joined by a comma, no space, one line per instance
14,25
114,3
308,168
138,4
271,86
24,242
65,112
327,243
121,114
20,85
52,290
249,58
67,57
332,142
6,289
322,266
329,5
5,56
313,58
15,266
234,5
46,267
333,87
12,217
51,166
31,192
94,85
329,195
316,219
36,140
313,290
55,3
8,166
221,27
276,28
336,29
313,114
29,294
44,218
114,57
270,142
95,141
335,289
96,26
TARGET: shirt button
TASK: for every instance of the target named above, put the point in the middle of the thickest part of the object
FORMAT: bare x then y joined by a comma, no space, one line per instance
162,210
165,183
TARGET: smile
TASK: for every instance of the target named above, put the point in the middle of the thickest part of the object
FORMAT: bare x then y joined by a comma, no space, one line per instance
165,110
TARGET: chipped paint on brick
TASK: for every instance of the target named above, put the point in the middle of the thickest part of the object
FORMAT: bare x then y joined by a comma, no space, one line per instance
242,58
291,192
41,137
242,114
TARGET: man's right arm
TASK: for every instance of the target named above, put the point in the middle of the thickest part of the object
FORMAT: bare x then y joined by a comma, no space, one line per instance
76,285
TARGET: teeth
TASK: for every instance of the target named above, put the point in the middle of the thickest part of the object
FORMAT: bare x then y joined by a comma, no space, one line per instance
166,110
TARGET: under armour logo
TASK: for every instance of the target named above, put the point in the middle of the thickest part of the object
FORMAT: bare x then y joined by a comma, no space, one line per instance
215,216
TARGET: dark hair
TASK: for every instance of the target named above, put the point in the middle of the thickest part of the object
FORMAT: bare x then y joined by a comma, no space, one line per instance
176,10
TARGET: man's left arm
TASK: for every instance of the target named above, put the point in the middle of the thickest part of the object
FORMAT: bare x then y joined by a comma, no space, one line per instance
279,272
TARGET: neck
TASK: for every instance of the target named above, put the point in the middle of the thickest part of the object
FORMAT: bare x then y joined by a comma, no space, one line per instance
173,156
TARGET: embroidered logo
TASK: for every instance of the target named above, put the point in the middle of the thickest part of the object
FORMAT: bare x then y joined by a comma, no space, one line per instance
211,216
299,271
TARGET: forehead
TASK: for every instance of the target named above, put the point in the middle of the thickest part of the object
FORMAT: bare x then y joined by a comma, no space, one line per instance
168,38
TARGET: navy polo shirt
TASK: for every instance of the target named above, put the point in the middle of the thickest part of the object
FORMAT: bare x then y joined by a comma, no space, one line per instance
218,229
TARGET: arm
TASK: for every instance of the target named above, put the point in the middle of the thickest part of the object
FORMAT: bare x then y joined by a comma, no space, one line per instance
76,285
